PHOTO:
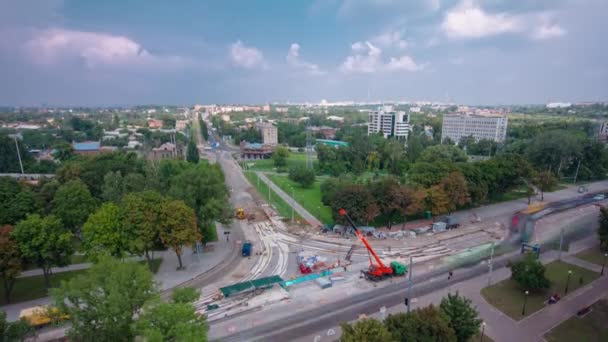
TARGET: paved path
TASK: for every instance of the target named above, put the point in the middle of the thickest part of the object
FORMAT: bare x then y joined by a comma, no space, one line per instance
312,220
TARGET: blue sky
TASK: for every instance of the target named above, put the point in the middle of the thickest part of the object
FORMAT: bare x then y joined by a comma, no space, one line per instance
111,52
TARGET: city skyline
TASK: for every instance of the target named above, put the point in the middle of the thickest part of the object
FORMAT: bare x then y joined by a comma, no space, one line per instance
476,52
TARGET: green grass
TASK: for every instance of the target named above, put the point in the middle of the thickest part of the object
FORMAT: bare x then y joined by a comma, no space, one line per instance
78,259
29,288
508,297
593,255
281,206
294,159
309,198
590,328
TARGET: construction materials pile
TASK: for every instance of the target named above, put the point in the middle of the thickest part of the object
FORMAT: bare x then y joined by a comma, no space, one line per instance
309,262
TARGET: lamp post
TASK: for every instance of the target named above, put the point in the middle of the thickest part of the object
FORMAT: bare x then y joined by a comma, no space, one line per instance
293,199
568,281
483,329
604,263
523,309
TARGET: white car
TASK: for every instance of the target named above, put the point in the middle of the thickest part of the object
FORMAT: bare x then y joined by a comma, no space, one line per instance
599,197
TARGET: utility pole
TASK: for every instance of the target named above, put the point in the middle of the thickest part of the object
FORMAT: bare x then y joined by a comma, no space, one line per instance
576,173
292,204
561,243
18,153
409,288
491,265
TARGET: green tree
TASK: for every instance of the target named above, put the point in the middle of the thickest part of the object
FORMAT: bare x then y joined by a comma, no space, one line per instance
44,242
429,174
456,189
421,325
73,204
279,157
529,273
172,322
446,153
105,234
63,151
113,187
141,214
178,227
462,316
603,229
103,302
192,154
10,261
301,175
366,330
185,295
545,181
358,202
14,331
16,201
437,201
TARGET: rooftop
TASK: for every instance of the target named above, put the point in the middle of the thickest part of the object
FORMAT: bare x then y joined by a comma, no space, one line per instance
87,146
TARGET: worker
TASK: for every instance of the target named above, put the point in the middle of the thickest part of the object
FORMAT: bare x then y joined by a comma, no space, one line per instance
450,274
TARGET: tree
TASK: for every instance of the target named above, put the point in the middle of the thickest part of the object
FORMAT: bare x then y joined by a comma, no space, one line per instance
301,175
103,302
16,201
366,330
10,261
529,273
455,187
185,295
358,202
279,157
44,242
429,174
446,153
462,316
437,201
192,154
545,180
14,331
178,227
105,234
73,204
424,324
407,201
603,229
113,188
172,322
141,213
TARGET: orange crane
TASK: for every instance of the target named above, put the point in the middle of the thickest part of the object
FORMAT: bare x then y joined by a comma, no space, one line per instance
377,271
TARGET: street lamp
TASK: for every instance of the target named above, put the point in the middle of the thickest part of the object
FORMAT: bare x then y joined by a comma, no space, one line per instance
523,309
568,281
483,329
604,263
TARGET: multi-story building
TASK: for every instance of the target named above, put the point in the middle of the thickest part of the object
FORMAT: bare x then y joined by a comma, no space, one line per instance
603,134
269,132
490,127
389,122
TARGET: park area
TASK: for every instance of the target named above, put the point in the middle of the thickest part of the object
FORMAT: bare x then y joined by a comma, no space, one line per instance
294,159
508,297
592,255
589,328
270,196
309,198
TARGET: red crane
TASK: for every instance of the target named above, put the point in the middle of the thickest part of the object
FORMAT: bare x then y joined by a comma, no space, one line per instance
376,271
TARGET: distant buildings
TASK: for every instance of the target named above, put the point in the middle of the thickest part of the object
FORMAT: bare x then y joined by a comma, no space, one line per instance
164,151
335,118
87,147
491,127
603,134
255,150
327,132
553,105
181,125
155,123
389,122
269,132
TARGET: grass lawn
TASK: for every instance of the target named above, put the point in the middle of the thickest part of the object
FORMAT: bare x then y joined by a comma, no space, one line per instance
309,198
589,328
29,288
593,255
78,259
509,298
268,164
281,206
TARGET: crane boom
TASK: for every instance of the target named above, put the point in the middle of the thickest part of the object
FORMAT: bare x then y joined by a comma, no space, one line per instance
362,238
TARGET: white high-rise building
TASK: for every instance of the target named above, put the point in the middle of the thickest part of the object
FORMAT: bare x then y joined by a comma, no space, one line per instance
389,122
269,133
490,127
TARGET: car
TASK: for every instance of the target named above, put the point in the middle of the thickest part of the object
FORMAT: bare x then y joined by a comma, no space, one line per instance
599,197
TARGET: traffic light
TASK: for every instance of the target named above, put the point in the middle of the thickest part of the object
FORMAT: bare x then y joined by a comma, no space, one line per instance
407,301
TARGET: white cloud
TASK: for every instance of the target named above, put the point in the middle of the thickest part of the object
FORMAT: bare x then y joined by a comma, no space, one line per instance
246,57
367,58
293,59
548,31
468,20
390,39
95,49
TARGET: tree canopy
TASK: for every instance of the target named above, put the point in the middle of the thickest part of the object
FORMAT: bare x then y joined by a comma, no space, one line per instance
461,315
10,261
529,273
73,204
424,324
366,330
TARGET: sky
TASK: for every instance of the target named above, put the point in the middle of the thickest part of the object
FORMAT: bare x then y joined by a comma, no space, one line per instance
486,52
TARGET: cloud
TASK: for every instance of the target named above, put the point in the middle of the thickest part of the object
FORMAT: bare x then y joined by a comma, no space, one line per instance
293,59
367,58
247,57
56,45
468,20
548,31
391,39
434,5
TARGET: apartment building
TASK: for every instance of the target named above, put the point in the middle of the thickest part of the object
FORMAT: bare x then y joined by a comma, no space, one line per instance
389,122
269,132
491,127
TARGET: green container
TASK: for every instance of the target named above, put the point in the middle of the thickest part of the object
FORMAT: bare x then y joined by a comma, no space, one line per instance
428,215
399,269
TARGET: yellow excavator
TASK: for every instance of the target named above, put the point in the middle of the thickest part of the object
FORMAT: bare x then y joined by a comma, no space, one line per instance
240,213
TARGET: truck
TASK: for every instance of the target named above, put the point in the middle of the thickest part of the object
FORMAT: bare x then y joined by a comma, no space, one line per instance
451,222
377,271
246,250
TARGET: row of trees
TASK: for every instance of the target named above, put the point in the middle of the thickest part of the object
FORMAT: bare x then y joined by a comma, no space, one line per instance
455,320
